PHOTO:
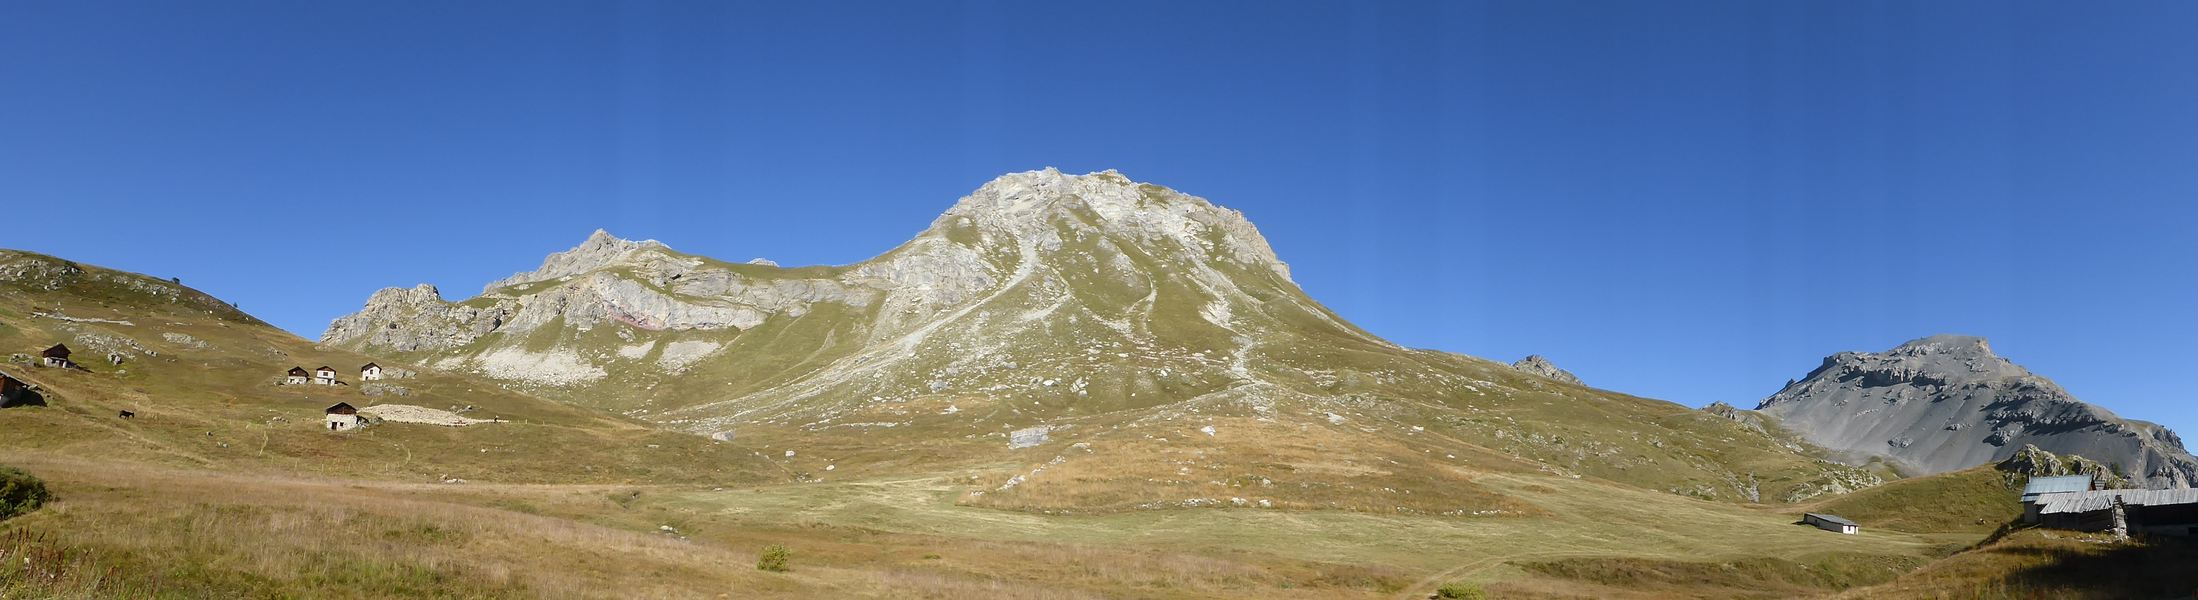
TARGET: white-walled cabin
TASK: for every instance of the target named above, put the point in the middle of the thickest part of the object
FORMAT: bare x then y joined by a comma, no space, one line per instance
342,417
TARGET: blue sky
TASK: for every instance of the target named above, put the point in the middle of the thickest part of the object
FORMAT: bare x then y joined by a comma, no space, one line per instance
1689,201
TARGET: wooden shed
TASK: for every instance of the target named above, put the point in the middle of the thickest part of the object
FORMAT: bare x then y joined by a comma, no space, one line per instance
1831,523
57,356
2152,512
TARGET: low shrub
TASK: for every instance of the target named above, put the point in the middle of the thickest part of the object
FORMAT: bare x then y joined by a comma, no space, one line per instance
20,492
774,558
1460,591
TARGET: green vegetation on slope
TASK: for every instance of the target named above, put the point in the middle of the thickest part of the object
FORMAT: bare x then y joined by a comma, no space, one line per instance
20,492
201,381
1977,500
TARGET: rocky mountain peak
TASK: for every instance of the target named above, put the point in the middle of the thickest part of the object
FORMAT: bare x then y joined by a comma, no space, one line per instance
1039,206
600,250
1947,344
1535,364
1947,402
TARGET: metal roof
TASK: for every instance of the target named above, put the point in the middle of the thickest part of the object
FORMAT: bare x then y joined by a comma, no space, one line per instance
2087,501
1833,519
2050,485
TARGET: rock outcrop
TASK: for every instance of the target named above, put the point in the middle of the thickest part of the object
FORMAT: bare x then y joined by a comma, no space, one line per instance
2031,461
1024,241
1534,364
1946,403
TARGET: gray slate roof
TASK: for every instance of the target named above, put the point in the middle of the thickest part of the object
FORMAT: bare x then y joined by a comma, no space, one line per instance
2049,485
1834,519
2087,501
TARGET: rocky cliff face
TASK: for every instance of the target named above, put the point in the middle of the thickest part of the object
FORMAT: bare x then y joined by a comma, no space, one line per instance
1002,273
1536,365
1080,305
1946,403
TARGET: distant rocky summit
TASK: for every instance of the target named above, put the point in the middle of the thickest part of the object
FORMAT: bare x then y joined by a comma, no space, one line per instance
1536,365
1946,403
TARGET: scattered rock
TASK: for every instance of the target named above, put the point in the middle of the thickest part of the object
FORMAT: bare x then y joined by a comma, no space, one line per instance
1027,437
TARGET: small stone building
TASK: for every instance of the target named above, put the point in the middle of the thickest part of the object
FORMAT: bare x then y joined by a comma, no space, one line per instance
1831,523
342,417
297,376
325,375
370,372
57,357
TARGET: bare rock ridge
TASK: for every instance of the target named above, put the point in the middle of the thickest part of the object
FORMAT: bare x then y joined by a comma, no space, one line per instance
1536,365
1947,402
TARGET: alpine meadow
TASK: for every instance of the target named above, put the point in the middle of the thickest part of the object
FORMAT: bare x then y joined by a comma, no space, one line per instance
1082,382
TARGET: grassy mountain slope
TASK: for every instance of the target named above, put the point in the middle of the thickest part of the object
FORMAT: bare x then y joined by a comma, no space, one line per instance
206,493
1125,319
1977,500
201,378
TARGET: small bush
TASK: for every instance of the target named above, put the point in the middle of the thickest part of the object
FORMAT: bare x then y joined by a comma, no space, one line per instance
624,498
774,558
20,492
1460,591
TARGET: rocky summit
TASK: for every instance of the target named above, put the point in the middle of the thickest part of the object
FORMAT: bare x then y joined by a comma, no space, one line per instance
1947,402
1098,311
1536,365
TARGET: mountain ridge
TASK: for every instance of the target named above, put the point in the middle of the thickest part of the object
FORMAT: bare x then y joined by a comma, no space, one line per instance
1066,309
1948,402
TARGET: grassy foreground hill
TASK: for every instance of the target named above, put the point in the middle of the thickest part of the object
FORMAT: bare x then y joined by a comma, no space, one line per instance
1369,485
226,484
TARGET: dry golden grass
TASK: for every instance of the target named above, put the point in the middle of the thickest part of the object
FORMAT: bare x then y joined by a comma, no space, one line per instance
1253,463
133,530
2043,564
212,533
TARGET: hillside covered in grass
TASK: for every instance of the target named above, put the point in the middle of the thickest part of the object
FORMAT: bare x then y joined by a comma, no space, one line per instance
1977,500
201,381
1083,343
